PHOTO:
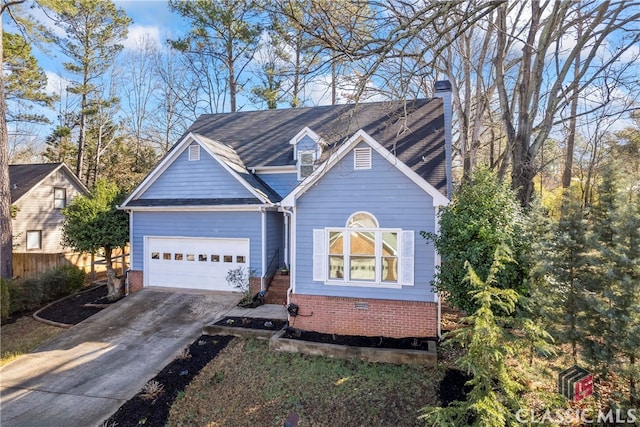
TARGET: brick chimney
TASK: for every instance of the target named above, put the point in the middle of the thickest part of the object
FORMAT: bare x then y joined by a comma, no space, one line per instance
442,89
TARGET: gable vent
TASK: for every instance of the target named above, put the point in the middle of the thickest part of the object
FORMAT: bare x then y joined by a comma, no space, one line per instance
362,158
194,152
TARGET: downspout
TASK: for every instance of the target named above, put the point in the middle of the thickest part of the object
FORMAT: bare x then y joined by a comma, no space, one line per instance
263,213
289,260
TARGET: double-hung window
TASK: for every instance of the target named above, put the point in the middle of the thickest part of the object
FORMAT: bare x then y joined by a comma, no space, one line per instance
59,197
306,163
362,254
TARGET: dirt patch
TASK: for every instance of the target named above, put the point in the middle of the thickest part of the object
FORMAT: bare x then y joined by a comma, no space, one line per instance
360,341
73,309
152,404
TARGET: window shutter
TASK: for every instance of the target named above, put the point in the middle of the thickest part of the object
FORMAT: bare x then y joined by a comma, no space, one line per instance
318,256
362,158
407,257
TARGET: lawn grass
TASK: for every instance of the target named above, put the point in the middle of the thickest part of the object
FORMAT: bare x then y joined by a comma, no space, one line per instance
249,385
24,335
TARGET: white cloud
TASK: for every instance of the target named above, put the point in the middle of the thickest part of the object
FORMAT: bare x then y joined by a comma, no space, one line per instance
56,84
139,35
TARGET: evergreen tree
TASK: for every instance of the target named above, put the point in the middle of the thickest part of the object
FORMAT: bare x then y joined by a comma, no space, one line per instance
94,30
562,261
614,287
493,399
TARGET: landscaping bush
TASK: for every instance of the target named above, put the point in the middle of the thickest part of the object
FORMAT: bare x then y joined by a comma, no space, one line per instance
4,299
34,292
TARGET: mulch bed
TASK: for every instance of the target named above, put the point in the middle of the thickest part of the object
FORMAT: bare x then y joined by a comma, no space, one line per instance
145,410
252,323
73,310
360,341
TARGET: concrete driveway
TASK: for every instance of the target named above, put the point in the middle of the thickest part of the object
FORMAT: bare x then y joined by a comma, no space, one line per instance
83,375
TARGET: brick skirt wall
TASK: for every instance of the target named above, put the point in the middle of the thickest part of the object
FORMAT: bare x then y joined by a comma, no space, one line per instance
367,317
135,280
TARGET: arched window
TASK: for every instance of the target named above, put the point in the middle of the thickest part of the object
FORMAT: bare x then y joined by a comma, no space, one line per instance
362,252
362,220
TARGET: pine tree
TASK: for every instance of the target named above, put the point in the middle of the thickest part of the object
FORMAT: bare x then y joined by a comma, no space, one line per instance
493,399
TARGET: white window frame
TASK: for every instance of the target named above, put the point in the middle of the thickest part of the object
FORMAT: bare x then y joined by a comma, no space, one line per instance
346,242
194,153
34,232
405,256
299,165
63,198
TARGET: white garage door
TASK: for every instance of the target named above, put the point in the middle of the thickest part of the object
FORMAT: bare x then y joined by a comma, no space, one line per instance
193,263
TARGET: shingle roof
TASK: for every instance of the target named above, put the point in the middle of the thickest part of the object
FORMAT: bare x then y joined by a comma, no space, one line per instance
23,178
412,131
228,155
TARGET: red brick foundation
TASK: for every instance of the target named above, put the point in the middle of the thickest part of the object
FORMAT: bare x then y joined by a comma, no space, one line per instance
135,280
367,317
254,285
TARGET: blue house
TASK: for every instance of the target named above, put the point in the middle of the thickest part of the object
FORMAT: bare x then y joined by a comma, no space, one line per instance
339,194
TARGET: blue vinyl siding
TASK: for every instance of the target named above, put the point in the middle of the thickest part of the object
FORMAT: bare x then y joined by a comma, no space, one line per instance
281,183
198,224
306,143
275,237
391,197
200,179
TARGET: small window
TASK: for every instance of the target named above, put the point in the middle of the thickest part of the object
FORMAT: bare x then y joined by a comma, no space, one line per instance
191,257
240,259
194,153
228,258
155,255
215,258
306,162
34,239
202,257
362,158
59,198
177,257
166,256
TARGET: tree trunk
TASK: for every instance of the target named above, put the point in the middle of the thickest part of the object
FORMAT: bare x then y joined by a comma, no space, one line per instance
6,240
114,285
82,137
568,160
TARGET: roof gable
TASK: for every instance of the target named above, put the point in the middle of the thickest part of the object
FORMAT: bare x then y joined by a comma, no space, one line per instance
25,177
222,155
360,137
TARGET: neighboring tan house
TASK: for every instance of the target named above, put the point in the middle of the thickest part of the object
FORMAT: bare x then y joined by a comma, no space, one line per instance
339,194
39,192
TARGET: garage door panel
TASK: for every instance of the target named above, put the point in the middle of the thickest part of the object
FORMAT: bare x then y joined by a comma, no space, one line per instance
193,263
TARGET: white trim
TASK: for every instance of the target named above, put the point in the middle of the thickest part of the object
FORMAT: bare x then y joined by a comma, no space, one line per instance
267,170
223,208
346,254
293,236
131,239
298,137
299,163
358,137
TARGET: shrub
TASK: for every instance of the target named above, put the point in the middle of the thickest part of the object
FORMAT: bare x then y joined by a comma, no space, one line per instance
33,292
484,214
4,299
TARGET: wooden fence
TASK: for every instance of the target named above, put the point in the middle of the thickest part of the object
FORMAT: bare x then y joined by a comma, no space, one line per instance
34,264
